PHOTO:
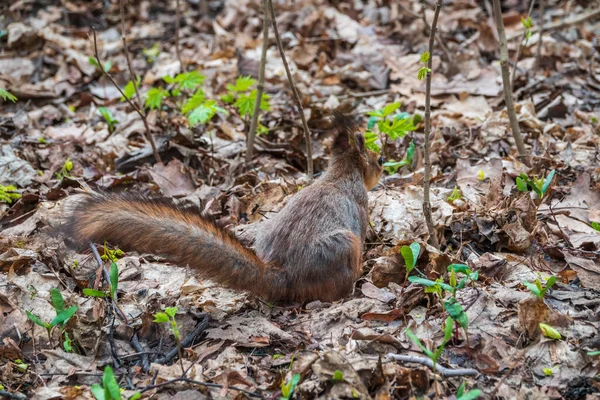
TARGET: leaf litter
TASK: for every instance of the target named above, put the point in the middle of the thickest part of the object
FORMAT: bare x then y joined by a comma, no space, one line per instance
56,140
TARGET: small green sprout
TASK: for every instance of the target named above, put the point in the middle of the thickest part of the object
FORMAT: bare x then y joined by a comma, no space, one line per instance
8,194
244,99
527,24
287,389
423,71
338,376
480,175
65,169
434,356
129,89
549,331
537,289
168,316
114,285
390,124
539,186
106,66
7,96
455,195
111,255
62,315
470,395
108,117
593,353
20,365
410,254
109,389
596,225
391,167
151,53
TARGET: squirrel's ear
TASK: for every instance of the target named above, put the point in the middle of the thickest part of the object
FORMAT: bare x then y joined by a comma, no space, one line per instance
345,138
360,144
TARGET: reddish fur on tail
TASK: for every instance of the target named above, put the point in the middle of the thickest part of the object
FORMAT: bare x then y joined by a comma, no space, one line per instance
182,236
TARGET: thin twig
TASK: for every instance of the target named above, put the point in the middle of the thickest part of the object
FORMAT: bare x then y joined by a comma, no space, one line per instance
135,343
261,83
429,363
538,52
440,43
519,46
562,24
187,341
309,160
106,276
426,146
508,99
133,77
207,384
177,23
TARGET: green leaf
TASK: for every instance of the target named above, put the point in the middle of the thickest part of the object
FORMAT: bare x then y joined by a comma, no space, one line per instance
36,320
459,268
550,282
448,328
548,371
470,395
152,52
67,344
243,83
245,104
171,311
161,317
423,73
456,311
372,122
93,293
203,113
114,279
409,259
549,331
193,102
98,392
410,152
533,288
390,108
429,283
461,390
57,300
129,89
391,167
370,141
416,341
136,396
110,383
188,80
596,225
425,56
288,389
7,96
547,182
593,353
154,98
455,195
338,376
64,316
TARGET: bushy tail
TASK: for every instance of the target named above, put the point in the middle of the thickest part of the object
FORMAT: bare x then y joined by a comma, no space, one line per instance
182,236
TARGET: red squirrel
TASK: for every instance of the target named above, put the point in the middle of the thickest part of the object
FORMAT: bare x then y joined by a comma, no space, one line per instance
310,250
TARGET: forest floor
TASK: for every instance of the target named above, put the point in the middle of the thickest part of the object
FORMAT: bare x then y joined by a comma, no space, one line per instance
70,130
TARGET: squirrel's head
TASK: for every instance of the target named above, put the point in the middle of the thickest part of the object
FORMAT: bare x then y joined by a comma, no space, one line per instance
349,150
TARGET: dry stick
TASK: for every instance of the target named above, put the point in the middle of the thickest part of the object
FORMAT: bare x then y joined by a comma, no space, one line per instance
177,22
427,176
512,80
261,83
428,362
508,99
140,110
538,52
207,384
309,160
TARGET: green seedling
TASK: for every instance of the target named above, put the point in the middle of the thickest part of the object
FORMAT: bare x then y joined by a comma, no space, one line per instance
338,376
539,186
469,395
434,356
8,194
111,255
62,315
549,331
168,316
527,24
114,285
243,99
593,353
389,124
287,389
596,225
410,254
423,71
65,169
391,167
108,117
455,195
537,289
129,89
7,96
106,66
109,389
151,53
20,365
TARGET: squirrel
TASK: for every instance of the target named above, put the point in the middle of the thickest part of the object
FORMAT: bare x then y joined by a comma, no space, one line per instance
310,250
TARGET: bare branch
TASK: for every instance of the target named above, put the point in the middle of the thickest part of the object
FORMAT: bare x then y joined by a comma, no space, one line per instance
261,83
519,47
140,110
309,160
426,146
508,99
538,52
177,23
438,368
